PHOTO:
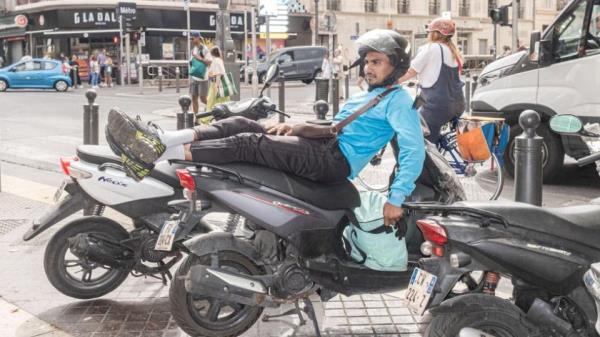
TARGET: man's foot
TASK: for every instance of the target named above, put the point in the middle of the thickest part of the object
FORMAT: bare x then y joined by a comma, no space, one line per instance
134,168
137,141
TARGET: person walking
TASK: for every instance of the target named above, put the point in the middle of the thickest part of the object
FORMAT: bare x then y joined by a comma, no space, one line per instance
199,63
215,72
108,71
326,69
75,78
102,64
95,71
338,68
438,66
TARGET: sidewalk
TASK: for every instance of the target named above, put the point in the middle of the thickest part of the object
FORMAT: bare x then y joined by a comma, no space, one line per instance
140,306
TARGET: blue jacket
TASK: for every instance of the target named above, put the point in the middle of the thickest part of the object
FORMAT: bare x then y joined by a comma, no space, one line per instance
365,136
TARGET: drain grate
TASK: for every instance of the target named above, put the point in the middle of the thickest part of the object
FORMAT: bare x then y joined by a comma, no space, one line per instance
10,224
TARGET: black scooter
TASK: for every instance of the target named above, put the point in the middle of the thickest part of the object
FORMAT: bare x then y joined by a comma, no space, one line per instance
548,253
290,247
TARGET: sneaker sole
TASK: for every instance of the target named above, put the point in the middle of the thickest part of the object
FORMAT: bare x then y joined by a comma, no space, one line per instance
146,148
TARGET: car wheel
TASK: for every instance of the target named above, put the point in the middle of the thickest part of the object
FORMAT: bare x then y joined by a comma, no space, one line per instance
553,153
318,74
61,86
3,85
308,81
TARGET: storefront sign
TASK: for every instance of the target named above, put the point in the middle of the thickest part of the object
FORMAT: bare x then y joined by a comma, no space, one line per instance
18,21
104,18
127,9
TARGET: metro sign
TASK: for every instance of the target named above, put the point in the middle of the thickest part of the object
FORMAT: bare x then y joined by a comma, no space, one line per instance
21,21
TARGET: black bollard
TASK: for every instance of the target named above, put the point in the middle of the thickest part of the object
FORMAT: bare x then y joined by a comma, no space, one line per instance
177,78
528,160
184,118
90,119
347,85
336,94
160,79
281,96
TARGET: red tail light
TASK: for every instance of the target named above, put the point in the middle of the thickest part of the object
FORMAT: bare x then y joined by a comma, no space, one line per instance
186,180
65,164
433,232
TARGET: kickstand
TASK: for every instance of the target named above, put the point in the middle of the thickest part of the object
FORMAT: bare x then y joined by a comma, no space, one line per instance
310,311
296,311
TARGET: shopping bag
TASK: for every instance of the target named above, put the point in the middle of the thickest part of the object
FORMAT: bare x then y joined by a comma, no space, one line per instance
472,144
227,86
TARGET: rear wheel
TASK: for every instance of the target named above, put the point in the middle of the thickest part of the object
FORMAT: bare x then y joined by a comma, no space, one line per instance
80,278
487,313
61,86
202,315
3,85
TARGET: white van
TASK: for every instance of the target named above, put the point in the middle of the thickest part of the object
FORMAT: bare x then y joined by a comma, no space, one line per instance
560,75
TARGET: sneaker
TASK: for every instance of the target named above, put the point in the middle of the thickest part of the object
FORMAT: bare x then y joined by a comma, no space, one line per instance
136,169
135,139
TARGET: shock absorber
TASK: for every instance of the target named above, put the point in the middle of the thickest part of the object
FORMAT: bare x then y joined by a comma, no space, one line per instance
491,282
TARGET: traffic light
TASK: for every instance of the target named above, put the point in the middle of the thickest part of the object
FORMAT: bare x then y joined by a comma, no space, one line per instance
115,39
500,15
135,36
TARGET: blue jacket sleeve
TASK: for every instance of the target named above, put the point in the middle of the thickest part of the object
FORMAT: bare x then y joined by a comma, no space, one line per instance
405,122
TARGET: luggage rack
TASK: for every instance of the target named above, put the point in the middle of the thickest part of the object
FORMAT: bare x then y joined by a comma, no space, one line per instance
444,210
224,171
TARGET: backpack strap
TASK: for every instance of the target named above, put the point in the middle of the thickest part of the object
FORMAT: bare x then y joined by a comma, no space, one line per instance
337,128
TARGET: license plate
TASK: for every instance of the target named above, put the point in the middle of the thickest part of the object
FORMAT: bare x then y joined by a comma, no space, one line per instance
419,290
167,236
60,192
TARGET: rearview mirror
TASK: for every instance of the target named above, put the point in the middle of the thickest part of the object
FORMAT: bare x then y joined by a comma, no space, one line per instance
566,124
534,46
269,77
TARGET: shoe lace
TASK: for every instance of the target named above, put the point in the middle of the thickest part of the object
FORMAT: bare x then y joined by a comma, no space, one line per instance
156,126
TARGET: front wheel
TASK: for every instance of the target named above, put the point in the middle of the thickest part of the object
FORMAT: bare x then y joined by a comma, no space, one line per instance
80,278
3,85
486,313
203,315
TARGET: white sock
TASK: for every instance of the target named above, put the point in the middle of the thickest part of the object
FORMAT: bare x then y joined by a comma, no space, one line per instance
179,137
173,152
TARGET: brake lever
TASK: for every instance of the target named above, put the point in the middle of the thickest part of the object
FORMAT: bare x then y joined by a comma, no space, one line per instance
282,113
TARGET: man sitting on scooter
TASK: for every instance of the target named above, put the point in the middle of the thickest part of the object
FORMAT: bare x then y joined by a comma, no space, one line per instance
386,57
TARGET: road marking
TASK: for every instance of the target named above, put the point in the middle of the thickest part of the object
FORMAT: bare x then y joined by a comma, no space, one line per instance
28,189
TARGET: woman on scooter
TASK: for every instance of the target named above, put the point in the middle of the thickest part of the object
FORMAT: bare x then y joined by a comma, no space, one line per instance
438,66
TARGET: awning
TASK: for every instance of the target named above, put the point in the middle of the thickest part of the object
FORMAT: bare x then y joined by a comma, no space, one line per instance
81,32
12,32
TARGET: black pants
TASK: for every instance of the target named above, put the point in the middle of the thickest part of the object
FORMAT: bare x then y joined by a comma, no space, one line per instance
239,139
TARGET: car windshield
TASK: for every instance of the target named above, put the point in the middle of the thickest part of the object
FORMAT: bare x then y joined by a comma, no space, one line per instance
272,56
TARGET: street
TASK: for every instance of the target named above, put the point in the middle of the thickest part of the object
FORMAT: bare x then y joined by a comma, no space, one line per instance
37,127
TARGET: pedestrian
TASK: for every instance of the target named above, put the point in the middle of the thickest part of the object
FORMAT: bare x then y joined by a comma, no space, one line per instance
95,72
506,51
75,78
438,65
360,82
326,68
215,73
338,68
108,70
102,63
199,64
1,61
328,160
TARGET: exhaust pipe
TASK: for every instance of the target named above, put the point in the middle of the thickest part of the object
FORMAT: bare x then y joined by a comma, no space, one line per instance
542,314
228,286
86,246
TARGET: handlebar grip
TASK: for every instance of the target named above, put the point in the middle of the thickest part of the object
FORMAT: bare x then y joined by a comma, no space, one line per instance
204,114
589,159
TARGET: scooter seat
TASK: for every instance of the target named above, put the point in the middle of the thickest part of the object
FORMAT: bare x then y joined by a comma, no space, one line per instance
326,196
579,224
100,154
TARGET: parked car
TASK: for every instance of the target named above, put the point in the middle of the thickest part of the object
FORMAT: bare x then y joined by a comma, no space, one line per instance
35,73
297,63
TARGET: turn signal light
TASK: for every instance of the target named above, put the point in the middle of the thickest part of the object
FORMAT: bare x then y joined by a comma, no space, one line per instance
65,164
186,180
433,232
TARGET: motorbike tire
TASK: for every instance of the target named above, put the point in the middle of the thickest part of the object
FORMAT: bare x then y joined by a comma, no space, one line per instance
185,310
58,246
488,313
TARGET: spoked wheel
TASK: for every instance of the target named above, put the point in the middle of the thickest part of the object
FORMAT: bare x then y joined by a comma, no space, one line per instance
81,278
376,175
487,313
481,180
203,315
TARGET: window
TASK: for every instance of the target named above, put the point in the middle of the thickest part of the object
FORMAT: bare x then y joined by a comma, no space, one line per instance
483,47
370,6
403,6
568,33
521,11
28,66
333,5
434,7
593,40
48,65
492,4
560,4
465,8
285,58
308,53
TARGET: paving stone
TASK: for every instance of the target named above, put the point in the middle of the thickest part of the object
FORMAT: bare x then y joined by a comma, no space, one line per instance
403,319
387,329
377,312
334,313
380,320
353,304
355,312
374,304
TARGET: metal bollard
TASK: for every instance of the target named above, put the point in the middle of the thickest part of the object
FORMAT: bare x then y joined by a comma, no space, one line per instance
160,79
184,118
335,92
281,95
90,119
347,85
528,160
177,76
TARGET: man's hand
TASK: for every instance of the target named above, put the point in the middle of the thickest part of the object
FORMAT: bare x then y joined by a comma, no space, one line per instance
391,214
280,129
